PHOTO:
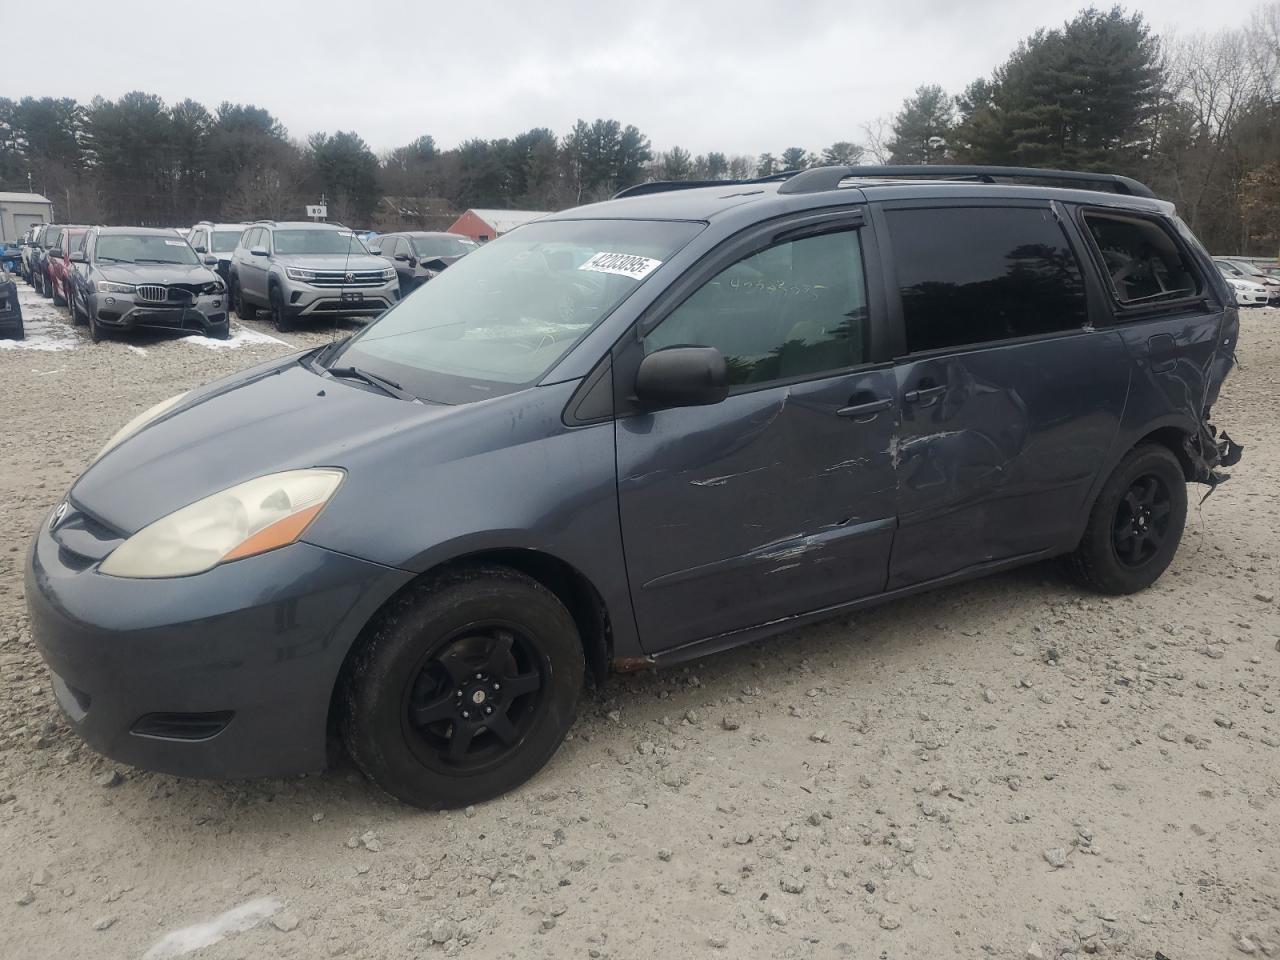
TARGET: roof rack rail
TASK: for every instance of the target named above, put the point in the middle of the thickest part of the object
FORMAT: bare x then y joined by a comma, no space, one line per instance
665,186
272,222
819,179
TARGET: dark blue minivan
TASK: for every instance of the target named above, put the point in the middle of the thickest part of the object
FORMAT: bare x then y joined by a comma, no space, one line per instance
623,436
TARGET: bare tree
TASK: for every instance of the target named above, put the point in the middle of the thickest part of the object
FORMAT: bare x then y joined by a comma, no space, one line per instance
877,134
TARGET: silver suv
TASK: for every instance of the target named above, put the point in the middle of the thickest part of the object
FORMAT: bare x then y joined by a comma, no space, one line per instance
302,269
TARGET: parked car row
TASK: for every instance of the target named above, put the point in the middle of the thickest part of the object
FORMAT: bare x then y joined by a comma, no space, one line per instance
121,278
1253,286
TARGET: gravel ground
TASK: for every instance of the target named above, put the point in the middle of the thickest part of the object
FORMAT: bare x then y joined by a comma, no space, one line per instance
1008,768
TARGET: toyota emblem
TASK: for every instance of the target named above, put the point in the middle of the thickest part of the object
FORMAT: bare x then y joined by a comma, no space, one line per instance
59,514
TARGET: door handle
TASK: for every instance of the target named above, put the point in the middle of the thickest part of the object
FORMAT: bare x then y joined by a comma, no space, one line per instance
864,412
924,396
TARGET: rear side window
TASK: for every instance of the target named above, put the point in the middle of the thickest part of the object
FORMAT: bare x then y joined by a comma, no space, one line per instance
1144,263
971,275
798,309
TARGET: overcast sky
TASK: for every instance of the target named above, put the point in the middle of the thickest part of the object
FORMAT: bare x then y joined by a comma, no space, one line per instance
741,76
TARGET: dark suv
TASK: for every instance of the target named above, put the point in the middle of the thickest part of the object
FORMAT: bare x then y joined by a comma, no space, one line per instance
129,277
624,436
419,256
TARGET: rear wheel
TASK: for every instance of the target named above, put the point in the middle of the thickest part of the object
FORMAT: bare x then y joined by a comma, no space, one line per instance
1135,525
279,313
58,299
465,688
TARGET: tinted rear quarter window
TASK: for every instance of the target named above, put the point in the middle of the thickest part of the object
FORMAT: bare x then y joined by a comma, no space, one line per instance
972,275
1144,264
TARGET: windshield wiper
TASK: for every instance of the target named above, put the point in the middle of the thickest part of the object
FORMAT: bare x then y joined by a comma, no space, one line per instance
114,259
389,387
174,263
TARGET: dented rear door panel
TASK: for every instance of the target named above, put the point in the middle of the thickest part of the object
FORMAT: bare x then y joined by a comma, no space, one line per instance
998,463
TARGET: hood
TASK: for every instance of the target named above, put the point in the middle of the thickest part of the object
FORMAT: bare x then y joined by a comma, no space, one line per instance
333,261
278,416
162,273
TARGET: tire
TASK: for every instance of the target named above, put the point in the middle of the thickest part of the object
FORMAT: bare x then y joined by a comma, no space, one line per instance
1135,525
95,331
279,313
58,299
458,633
243,310
78,317
46,285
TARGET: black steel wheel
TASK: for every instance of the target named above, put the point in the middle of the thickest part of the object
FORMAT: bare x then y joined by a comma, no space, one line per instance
1142,521
1136,523
475,698
463,687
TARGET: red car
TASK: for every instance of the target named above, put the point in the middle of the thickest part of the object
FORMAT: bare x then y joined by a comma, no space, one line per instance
60,262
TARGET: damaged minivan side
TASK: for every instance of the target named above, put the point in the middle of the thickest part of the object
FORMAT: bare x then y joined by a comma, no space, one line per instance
626,435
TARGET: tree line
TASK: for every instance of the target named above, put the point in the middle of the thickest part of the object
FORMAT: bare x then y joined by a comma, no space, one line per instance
1196,117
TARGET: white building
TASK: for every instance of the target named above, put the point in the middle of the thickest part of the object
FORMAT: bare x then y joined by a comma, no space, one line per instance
18,211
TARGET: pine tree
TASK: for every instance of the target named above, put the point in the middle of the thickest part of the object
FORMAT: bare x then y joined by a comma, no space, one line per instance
922,128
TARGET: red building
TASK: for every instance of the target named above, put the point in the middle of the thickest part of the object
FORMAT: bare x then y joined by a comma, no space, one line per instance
484,225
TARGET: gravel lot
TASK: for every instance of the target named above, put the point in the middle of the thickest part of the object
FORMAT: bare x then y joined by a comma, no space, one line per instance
1009,768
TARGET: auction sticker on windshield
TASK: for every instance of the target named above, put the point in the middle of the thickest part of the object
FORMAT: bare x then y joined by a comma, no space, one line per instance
623,264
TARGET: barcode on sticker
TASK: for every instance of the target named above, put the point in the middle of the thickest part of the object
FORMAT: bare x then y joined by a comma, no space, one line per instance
623,264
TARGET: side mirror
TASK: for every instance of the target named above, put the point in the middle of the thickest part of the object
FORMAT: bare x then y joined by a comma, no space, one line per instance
682,377
56,254
201,249
258,251
402,257
209,260
77,256
375,251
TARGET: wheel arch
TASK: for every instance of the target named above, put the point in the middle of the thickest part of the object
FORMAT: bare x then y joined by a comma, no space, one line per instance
570,586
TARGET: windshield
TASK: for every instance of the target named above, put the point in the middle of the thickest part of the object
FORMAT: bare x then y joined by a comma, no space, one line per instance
224,241
144,248
443,246
1245,267
499,318
318,241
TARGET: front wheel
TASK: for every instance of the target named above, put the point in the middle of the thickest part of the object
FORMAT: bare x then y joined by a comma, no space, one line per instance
464,688
279,313
1135,525
58,299
243,310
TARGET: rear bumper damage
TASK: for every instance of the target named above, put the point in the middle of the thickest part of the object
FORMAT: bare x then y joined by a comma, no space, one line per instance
1209,451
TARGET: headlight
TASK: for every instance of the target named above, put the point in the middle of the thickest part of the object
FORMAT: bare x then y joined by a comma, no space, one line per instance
106,286
140,421
389,273
241,521
216,287
297,273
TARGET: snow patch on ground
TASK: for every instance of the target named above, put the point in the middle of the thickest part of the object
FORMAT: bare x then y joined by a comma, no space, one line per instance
45,327
241,336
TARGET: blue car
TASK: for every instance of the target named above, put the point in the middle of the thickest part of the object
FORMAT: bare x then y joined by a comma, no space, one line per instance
11,257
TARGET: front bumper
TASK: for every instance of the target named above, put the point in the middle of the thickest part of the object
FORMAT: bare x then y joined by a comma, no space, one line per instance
124,311
1246,299
304,300
225,674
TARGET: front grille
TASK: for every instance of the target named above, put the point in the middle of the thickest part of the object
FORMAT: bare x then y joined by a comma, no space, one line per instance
152,292
353,278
